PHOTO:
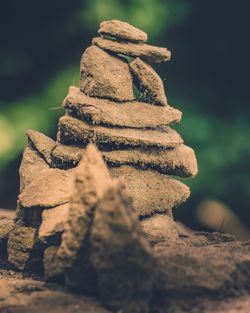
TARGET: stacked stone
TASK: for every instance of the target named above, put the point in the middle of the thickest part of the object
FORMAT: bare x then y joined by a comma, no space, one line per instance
135,138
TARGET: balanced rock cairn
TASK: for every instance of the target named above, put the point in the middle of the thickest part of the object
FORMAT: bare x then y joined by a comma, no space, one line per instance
88,224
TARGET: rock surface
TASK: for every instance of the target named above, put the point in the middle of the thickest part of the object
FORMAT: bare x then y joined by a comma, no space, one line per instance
120,254
105,76
74,131
150,54
165,192
20,245
127,114
41,143
53,221
148,82
122,30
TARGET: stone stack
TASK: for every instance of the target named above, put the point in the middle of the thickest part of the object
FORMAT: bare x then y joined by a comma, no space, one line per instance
134,134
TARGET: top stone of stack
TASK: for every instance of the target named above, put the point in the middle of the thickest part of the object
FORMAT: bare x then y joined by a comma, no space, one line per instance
122,38
122,30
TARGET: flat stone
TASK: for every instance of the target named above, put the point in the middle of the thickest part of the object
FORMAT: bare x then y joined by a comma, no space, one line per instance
122,30
43,144
121,254
74,131
105,76
20,244
151,192
150,54
179,161
148,82
53,221
160,228
126,114
51,188
66,156
31,167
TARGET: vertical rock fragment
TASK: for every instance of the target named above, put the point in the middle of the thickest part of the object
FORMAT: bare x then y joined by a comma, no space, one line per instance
148,82
105,76
121,254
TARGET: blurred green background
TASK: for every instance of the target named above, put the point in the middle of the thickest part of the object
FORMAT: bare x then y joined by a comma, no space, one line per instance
207,78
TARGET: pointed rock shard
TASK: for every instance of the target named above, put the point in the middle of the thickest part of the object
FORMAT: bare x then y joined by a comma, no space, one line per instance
74,131
31,167
127,114
120,254
105,76
91,179
148,82
151,192
122,30
150,54
53,221
6,226
43,144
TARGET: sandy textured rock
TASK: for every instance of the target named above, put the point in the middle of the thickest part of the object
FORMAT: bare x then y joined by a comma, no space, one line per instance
6,226
179,161
122,30
31,167
91,179
160,228
66,156
53,221
182,268
43,144
105,76
74,131
51,188
120,254
127,114
148,82
27,295
148,53
151,192
20,244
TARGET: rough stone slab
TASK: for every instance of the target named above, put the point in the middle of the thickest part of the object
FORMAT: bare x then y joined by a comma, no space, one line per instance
6,226
179,161
74,131
43,144
51,188
127,114
105,76
160,228
31,167
148,82
121,254
20,244
27,295
150,54
181,269
53,221
122,30
151,192
66,156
